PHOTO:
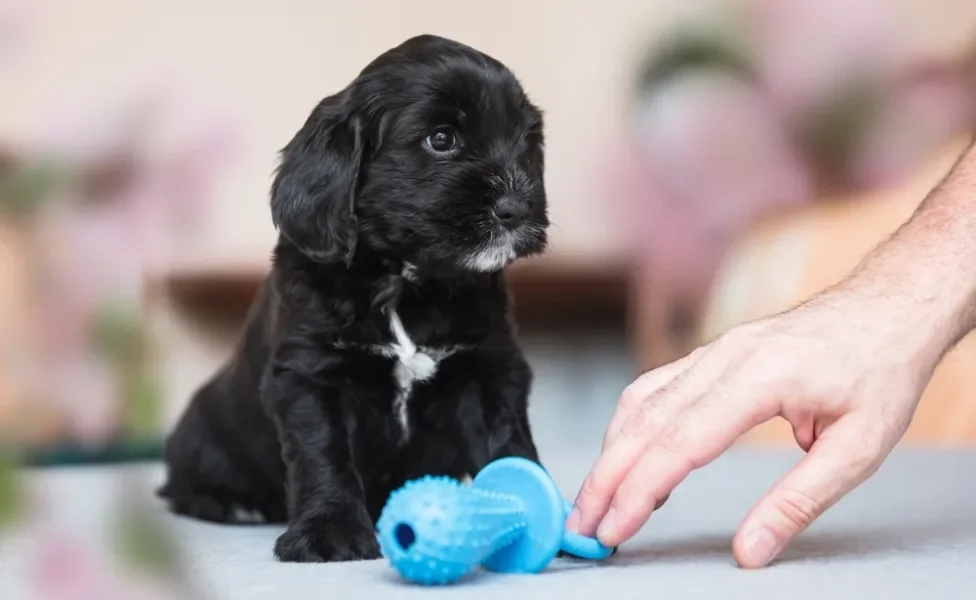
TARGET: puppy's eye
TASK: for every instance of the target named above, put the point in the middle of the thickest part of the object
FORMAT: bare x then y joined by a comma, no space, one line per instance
442,140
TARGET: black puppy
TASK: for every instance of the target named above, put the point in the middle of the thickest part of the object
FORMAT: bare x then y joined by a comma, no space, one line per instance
381,346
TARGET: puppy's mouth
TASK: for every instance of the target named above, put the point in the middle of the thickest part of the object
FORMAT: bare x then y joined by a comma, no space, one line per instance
503,246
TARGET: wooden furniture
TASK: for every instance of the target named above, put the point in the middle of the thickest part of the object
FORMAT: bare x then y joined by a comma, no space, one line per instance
546,291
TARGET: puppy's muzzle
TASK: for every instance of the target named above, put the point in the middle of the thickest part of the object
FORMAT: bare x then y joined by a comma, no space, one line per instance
510,211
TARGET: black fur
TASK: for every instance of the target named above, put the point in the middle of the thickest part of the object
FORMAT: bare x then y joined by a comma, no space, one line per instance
376,218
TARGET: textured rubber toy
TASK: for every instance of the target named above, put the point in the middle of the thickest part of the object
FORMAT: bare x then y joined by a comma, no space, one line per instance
511,519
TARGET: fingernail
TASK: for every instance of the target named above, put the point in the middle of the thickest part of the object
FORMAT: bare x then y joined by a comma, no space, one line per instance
761,546
573,522
608,527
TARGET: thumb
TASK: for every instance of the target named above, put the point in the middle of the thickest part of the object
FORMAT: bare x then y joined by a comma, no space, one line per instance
843,457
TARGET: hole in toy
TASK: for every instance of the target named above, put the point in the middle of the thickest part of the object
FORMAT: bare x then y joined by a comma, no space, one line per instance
405,536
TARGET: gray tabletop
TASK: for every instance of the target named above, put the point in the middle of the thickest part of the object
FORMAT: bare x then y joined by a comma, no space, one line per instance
909,532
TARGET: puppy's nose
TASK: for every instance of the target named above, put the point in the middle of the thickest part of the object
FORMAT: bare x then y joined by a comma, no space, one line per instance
509,211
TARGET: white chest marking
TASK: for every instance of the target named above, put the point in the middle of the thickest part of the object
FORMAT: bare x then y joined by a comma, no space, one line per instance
412,366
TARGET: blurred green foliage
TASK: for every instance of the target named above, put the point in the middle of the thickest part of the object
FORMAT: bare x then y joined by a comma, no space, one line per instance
142,406
831,131
118,333
11,490
143,542
25,187
120,336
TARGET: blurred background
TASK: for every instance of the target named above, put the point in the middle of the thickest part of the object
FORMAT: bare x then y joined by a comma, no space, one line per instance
708,163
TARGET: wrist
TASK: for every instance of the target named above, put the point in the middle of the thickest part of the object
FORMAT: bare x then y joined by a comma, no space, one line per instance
888,322
923,281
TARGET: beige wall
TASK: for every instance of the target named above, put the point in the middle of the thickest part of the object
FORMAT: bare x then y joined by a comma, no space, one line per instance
267,62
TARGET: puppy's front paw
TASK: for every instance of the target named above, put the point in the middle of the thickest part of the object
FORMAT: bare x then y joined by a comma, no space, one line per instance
327,540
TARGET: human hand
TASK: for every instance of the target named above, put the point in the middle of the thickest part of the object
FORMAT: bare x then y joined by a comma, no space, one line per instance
846,370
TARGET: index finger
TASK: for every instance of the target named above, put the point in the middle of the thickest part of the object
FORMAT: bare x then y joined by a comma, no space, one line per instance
641,427
701,433
637,393
599,486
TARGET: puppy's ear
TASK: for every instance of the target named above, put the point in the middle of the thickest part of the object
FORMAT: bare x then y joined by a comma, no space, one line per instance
314,188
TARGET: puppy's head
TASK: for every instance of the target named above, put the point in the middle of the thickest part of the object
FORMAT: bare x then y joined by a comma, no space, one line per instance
433,155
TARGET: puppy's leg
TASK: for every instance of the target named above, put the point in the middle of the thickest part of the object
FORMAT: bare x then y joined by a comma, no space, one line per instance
328,519
505,379
213,474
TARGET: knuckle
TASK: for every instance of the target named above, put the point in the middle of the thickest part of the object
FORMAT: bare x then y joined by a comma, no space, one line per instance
631,397
696,354
799,509
864,456
633,502
734,347
741,334
642,420
611,435
875,440
680,448
591,494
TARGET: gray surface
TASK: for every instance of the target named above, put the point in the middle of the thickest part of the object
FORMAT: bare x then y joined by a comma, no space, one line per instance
910,532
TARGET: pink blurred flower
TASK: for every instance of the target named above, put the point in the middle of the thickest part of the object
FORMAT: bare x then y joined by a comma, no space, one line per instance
709,156
133,197
104,236
93,256
65,569
808,48
87,392
179,186
68,569
925,110
169,181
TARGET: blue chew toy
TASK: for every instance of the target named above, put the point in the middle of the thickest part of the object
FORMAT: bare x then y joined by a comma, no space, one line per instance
510,519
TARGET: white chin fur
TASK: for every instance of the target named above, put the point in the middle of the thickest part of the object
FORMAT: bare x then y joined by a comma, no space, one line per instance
492,258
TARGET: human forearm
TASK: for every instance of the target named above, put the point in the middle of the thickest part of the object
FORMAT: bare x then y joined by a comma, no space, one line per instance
923,279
